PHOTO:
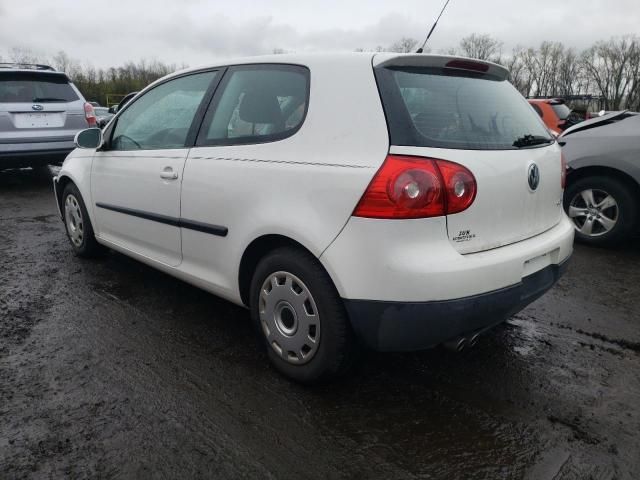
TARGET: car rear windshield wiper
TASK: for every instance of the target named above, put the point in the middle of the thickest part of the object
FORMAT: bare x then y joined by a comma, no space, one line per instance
49,99
531,140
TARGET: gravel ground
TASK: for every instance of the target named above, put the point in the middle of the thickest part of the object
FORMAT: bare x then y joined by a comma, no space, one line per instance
110,369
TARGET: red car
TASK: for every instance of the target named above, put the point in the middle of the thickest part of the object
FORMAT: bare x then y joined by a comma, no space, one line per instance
555,113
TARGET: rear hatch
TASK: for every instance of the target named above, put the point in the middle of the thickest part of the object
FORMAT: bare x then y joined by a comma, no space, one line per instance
37,106
468,113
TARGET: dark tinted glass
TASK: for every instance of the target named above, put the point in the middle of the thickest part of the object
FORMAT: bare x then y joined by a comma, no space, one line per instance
28,87
437,108
562,111
258,104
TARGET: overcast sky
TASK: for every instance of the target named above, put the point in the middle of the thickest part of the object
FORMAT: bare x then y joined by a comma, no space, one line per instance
110,32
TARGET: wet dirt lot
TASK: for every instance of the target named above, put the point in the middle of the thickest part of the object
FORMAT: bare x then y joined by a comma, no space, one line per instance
110,369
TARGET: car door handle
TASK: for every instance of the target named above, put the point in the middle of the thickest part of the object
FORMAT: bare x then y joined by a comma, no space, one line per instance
168,174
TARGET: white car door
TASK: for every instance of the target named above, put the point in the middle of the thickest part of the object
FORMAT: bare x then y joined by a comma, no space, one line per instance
240,161
137,175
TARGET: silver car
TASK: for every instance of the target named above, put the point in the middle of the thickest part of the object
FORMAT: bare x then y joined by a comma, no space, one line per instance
40,113
602,197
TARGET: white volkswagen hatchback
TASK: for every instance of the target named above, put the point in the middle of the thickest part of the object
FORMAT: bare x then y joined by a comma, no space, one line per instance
396,201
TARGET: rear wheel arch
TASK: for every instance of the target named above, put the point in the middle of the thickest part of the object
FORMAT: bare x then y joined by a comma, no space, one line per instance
257,250
595,171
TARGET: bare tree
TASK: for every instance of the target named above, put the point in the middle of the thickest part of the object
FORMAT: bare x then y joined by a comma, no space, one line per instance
611,65
632,101
24,55
482,47
404,45
62,62
518,72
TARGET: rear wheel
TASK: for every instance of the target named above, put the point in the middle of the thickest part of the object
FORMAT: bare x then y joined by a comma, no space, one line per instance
603,210
300,317
78,224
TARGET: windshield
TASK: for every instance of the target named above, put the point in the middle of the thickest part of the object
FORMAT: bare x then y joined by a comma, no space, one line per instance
434,107
562,111
29,87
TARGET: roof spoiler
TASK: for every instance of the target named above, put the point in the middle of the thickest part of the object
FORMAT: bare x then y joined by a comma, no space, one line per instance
440,61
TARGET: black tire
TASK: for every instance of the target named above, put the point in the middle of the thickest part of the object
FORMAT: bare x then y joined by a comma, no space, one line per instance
88,247
336,347
627,209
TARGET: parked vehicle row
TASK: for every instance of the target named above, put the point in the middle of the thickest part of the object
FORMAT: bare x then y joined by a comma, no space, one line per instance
555,113
398,201
603,184
102,116
41,110
603,155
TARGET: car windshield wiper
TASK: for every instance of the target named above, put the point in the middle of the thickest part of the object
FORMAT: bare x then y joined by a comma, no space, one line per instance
531,140
49,99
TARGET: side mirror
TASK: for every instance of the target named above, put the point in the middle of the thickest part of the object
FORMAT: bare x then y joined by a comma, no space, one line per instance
89,138
113,109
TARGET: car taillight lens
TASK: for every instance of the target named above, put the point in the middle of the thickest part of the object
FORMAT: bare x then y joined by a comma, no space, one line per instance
417,187
460,186
90,114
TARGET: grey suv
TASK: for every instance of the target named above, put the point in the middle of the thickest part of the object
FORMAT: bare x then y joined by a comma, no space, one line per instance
40,113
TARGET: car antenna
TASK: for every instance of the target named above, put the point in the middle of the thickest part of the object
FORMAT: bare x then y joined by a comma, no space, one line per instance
421,49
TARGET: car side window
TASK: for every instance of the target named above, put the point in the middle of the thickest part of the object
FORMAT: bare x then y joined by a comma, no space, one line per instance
256,104
162,117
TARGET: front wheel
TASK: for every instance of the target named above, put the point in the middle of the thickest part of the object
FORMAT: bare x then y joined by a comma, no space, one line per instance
299,317
78,224
604,210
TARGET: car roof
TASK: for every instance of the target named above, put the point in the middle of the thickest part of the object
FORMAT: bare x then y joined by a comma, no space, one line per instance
365,58
33,69
284,58
27,67
550,101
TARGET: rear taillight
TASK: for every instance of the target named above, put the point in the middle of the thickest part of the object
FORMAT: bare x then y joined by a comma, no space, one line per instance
563,171
417,187
460,186
90,114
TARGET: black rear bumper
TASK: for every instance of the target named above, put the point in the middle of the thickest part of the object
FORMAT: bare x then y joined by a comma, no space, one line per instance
33,158
407,326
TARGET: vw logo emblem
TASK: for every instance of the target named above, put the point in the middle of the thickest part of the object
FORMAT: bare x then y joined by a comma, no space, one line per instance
533,176
37,107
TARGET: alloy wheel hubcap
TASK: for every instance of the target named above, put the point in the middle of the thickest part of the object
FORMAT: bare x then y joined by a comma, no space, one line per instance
289,318
594,212
73,219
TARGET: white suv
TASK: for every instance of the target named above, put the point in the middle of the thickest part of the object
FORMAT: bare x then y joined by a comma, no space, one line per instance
399,201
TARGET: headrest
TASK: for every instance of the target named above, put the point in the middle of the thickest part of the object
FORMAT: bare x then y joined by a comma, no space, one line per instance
260,107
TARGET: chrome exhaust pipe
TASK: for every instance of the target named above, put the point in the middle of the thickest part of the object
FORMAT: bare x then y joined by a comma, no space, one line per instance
456,345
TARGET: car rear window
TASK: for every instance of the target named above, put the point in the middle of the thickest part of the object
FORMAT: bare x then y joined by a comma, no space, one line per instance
31,87
562,111
444,108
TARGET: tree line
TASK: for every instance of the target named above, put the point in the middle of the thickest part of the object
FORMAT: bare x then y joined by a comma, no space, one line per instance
104,85
608,70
